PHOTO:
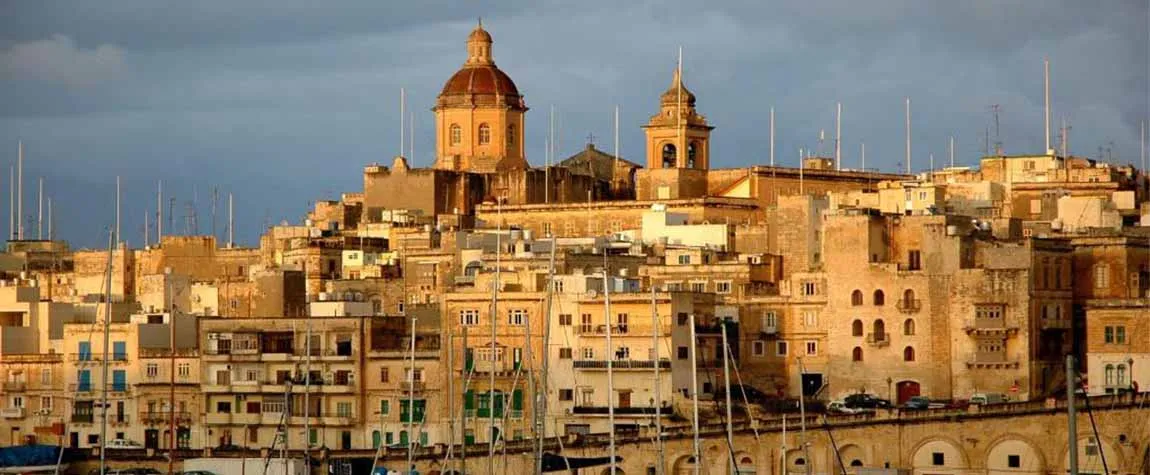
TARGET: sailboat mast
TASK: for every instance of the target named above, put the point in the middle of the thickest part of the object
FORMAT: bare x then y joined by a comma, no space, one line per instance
307,388
803,416
1071,414
464,376
695,398
655,328
610,365
411,400
727,384
540,421
104,360
494,327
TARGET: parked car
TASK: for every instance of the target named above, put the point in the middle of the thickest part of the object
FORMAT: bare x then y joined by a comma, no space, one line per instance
123,444
738,390
840,407
866,401
988,398
917,403
957,404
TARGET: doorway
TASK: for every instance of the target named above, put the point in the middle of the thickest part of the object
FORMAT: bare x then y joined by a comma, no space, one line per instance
74,440
812,382
907,390
624,399
151,439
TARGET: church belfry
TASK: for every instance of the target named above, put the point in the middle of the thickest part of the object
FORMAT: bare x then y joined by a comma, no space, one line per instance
479,114
678,136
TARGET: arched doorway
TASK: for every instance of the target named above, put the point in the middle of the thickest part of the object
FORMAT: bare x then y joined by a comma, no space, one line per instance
684,465
907,390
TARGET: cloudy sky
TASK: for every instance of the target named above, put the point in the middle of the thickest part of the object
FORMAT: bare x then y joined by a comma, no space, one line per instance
282,102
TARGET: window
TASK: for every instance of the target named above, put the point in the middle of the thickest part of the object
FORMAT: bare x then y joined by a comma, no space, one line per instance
565,319
857,328
456,134
46,376
879,298
914,260
670,156
46,403
682,353
812,348
468,317
809,288
770,320
1109,334
758,347
565,353
566,394
622,353
17,401
780,348
1013,461
184,370
1121,375
681,319
384,375
151,370
1101,276
621,322
856,354
511,135
588,353
273,404
908,327
484,134
856,297
1120,334
547,229
723,287
343,409
879,328
810,318
699,286
908,354
517,316
585,324
938,458
384,407
223,407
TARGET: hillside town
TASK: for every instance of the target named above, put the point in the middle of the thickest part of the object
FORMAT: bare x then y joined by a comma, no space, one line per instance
484,308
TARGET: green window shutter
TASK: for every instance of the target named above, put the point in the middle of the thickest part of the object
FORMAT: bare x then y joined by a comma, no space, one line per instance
420,408
390,440
423,439
405,411
469,400
384,407
517,400
375,439
402,437
498,402
469,360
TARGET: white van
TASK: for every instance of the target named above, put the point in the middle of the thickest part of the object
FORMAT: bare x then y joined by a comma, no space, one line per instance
983,399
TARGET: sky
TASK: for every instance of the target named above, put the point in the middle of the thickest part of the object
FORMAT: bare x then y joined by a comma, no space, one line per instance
282,102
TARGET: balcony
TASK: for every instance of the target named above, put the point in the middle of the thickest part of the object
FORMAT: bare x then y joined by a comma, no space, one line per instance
621,364
909,305
119,388
164,417
465,280
119,420
992,363
80,388
82,418
15,386
616,330
418,386
878,340
988,327
12,413
624,411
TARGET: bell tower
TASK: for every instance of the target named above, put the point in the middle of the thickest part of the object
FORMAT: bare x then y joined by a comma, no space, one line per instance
678,136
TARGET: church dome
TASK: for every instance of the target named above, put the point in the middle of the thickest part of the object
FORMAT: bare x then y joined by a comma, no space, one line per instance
671,96
480,81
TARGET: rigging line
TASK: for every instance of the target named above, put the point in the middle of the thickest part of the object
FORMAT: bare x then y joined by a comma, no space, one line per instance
834,445
1094,427
750,417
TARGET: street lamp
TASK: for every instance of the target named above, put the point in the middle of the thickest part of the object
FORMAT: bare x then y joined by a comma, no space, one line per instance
1130,367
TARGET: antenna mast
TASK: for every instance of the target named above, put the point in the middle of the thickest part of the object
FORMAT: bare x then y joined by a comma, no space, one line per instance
997,130
1046,93
402,114
908,168
772,136
838,136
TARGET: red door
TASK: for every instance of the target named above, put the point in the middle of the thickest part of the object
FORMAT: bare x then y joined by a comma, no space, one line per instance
907,390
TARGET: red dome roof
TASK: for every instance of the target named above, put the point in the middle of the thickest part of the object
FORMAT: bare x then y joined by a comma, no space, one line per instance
483,79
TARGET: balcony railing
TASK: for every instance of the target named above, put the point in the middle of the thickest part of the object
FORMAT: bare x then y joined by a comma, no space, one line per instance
417,386
988,326
82,418
12,413
80,388
15,386
113,357
164,417
620,364
878,340
602,410
616,329
909,305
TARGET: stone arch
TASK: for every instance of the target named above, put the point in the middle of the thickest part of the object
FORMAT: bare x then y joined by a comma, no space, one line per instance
684,465
852,456
953,455
669,155
857,328
1092,462
1030,458
607,471
879,298
744,463
856,298
797,462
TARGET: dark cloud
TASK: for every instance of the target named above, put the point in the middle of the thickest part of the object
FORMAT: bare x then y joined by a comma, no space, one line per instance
283,102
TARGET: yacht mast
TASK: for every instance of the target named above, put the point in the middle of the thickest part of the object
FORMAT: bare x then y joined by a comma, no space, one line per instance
411,401
658,384
610,364
494,325
727,384
540,421
695,398
104,360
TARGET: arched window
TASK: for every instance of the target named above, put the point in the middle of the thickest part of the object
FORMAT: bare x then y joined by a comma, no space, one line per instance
510,135
456,134
856,463
691,149
669,156
908,354
484,134
908,327
908,298
879,330
857,328
856,297
879,298
1121,375
1109,375
856,354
